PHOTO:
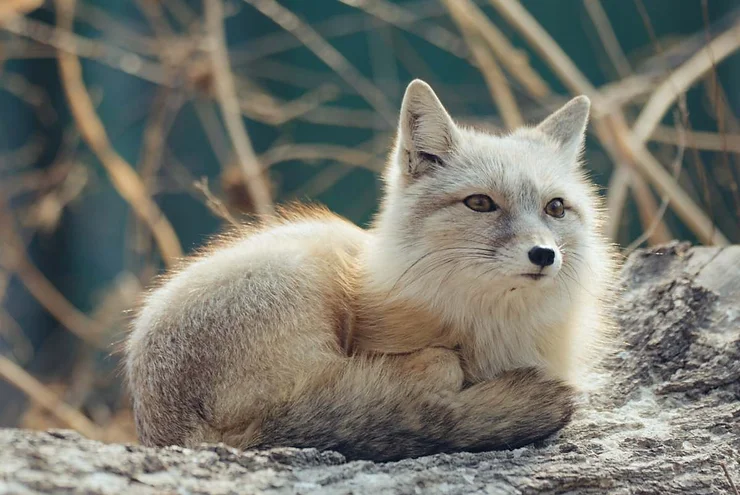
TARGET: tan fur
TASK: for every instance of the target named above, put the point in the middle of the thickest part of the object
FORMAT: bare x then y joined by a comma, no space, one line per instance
398,341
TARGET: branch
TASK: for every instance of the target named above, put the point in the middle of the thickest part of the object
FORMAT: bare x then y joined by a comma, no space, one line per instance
494,77
68,42
542,42
608,37
610,124
37,392
710,141
616,198
654,224
513,59
15,259
681,79
226,94
328,54
121,174
12,8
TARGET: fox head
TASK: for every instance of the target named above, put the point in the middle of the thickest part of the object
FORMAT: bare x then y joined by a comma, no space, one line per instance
486,215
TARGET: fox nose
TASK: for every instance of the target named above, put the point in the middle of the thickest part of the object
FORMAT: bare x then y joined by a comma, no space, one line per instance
542,256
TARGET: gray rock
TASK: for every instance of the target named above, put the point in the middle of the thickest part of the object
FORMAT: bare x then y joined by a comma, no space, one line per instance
665,418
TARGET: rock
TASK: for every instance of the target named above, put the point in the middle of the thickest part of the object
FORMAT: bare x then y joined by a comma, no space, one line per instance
665,418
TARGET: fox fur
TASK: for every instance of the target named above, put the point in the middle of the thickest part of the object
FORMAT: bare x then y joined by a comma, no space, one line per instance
432,331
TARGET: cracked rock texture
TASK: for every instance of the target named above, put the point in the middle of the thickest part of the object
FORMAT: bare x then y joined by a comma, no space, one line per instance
664,418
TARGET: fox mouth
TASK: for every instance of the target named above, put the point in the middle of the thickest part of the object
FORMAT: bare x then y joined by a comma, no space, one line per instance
534,276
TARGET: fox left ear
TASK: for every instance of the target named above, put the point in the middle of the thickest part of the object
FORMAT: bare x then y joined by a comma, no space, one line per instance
567,126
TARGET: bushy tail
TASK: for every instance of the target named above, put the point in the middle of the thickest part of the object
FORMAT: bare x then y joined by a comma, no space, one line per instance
365,413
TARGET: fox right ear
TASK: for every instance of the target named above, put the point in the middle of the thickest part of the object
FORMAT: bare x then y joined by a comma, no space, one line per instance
567,126
426,132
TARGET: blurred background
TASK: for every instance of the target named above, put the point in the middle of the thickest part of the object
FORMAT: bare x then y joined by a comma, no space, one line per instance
131,131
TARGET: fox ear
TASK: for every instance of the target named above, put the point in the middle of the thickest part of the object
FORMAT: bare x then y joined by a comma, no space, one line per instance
426,132
567,126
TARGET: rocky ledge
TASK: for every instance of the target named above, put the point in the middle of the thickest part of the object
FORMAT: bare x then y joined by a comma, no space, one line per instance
665,419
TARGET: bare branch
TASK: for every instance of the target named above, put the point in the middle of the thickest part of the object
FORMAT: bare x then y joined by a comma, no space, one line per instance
548,49
514,60
328,54
492,73
15,259
226,94
610,124
648,232
608,37
11,8
710,141
122,175
681,79
39,393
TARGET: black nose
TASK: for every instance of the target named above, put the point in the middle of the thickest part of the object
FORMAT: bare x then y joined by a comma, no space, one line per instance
542,256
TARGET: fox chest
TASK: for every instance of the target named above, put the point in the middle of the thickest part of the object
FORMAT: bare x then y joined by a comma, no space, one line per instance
488,350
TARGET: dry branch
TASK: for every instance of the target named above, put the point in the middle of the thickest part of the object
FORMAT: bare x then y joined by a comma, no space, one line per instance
514,60
610,124
489,68
68,42
710,141
681,79
608,37
308,152
407,19
328,54
122,175
547,48
14,258
37,392
249,164
11,8
652,227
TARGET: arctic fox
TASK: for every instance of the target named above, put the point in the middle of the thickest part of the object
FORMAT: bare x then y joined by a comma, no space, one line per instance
461,320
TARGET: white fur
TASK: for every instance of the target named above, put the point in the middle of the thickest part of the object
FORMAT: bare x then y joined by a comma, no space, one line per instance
556,322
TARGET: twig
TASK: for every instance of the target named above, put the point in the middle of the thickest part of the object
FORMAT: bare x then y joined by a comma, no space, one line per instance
610,124
322,181
548,49
254,179
123,177
214,204
307,152
37,392
347,24
328,54
729,478
266,109
12,333
719,110
11,8
403,18
15,259
681,79
489,68
608,37
515,61
616,198
710,141
68,42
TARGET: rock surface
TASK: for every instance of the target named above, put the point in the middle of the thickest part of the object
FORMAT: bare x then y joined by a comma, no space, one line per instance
665,419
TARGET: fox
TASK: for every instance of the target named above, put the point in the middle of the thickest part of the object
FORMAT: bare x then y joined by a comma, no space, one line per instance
465,318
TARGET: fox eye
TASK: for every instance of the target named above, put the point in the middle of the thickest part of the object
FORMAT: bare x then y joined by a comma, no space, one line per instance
480,202
428,157
555,208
